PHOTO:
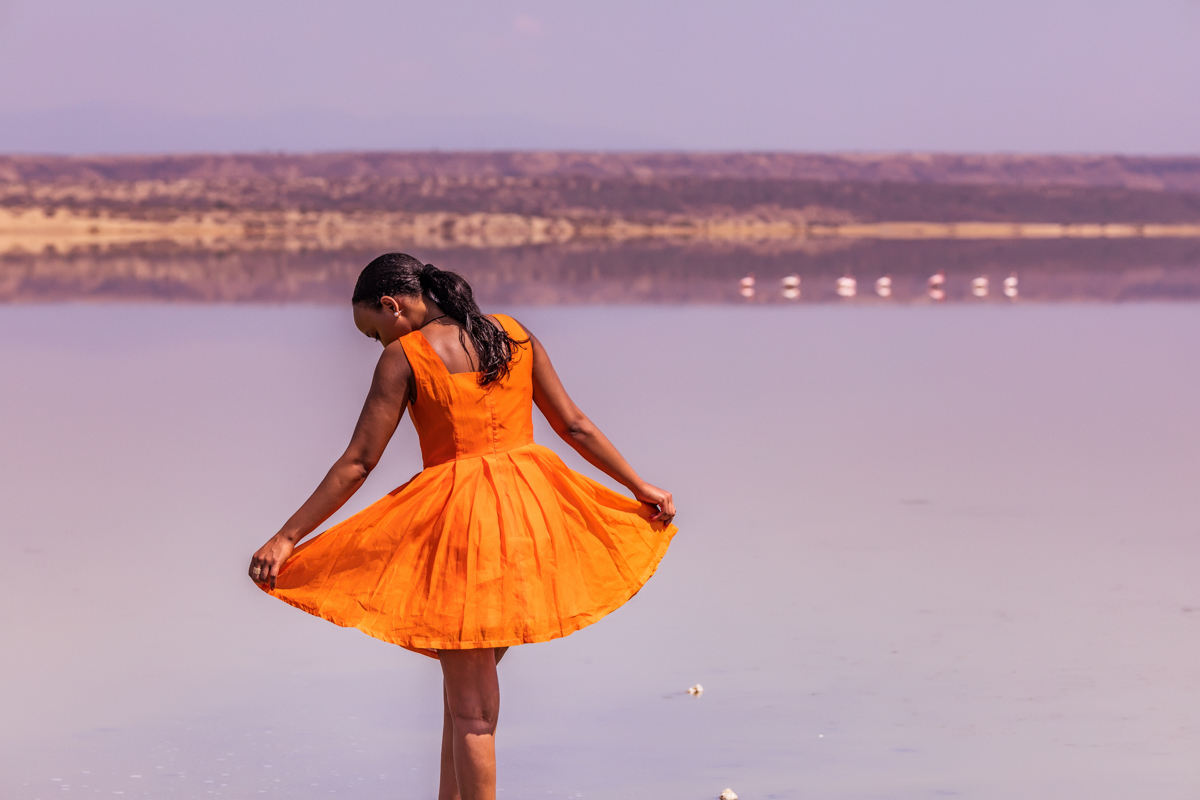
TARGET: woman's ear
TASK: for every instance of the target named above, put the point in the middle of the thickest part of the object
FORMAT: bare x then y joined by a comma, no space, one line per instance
390,305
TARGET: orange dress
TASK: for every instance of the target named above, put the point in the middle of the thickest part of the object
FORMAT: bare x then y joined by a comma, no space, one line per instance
496,542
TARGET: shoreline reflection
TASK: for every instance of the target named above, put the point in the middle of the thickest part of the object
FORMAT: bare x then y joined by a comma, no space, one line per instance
903,273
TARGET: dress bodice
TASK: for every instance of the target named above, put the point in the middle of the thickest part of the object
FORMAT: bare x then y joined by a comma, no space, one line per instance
455,417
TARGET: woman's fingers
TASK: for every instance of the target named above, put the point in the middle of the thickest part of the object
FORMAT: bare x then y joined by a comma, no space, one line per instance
666,508
261,570
264,570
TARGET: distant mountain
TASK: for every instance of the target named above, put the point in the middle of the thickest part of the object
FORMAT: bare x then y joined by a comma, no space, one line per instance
1158,174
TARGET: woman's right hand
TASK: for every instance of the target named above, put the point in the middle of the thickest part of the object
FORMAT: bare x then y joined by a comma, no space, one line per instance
661,499
267,562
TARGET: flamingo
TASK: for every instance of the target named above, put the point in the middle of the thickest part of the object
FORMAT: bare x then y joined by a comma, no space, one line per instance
937,286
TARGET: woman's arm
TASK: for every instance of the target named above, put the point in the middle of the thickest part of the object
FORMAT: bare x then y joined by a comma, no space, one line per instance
384,406
582,434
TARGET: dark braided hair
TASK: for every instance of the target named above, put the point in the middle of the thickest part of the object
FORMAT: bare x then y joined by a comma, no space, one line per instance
398,274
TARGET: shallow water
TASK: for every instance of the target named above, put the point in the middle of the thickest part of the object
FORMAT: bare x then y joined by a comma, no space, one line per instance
924,552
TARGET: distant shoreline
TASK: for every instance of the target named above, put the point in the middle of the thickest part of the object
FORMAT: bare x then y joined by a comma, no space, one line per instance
596,227
495,200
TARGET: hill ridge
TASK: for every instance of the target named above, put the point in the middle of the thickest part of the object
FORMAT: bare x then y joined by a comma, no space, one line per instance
1152,173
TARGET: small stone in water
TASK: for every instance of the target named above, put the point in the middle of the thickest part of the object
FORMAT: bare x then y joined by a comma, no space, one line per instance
697,690
727,795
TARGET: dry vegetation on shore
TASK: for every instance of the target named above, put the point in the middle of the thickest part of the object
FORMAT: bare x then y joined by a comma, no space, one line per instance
508,200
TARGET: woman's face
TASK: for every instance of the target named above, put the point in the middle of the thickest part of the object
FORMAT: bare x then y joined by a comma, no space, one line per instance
387,323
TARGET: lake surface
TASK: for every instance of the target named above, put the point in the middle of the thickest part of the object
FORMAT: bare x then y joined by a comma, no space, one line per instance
924,552
1053,270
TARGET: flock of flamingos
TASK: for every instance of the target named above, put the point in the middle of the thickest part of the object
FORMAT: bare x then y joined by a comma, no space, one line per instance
847,286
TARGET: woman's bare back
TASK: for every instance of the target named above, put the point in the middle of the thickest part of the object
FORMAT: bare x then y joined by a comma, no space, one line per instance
453,346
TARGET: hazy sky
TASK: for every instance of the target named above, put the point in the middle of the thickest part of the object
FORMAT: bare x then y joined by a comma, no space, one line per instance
1084,75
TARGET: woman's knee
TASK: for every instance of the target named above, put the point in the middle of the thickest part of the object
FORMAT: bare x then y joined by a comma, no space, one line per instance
471,690
474,718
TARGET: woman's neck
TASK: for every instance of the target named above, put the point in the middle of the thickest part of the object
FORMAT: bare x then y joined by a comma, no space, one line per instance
433,312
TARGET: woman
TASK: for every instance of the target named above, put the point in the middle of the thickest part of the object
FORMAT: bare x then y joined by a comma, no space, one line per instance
496,542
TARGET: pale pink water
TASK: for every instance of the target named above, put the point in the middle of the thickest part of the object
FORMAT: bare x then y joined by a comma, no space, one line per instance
924,552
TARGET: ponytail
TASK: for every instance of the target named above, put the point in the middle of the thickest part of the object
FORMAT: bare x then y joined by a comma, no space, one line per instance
399,274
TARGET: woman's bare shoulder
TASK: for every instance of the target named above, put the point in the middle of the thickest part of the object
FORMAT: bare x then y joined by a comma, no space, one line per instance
496,319
393,363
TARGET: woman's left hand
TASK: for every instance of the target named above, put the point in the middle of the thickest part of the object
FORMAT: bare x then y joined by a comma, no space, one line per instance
658,499
267,562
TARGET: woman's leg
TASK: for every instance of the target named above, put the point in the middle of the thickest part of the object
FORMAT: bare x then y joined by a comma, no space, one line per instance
471,705
447,785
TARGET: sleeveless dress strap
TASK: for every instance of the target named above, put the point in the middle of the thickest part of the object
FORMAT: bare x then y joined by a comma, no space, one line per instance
424,361
511,327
